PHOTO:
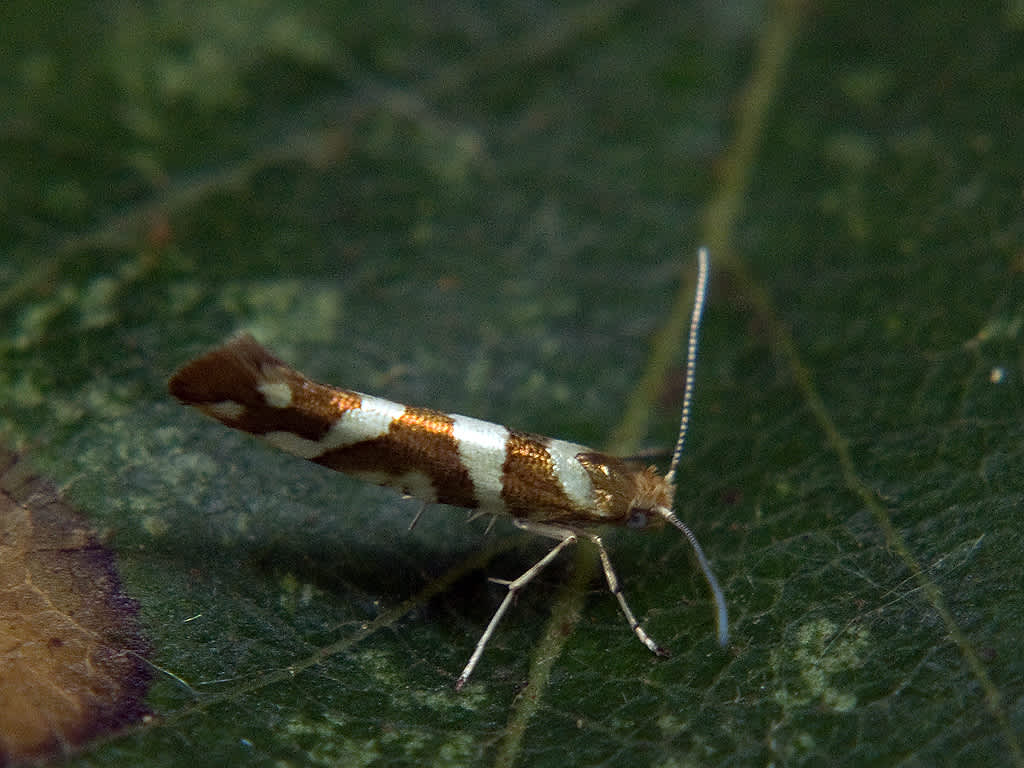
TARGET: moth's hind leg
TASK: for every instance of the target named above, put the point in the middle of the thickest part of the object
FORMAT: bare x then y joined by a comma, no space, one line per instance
418,515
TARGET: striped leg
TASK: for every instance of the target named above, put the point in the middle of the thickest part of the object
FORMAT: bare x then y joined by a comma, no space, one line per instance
555,532
566,537
616,589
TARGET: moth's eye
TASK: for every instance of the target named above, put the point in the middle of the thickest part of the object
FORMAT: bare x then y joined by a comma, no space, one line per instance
637,519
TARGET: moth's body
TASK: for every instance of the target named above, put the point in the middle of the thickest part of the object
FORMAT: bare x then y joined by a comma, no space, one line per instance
437,457
554,488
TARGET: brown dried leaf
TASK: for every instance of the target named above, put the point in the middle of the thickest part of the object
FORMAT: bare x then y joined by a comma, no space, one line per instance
71,654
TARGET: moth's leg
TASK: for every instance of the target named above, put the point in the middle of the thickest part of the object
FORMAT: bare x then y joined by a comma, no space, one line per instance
616,589
477,514
418,515
565,537
558,532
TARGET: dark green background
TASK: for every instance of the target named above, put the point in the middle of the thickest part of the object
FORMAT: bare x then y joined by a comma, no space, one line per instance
492,210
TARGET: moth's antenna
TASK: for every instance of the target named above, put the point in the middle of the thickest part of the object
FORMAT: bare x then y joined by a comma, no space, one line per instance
684,422
691,366
705,566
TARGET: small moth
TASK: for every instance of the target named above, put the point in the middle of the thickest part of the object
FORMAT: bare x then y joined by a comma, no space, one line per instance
553,488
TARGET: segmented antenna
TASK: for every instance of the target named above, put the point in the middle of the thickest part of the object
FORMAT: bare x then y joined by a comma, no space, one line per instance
722,617
691,359
684,422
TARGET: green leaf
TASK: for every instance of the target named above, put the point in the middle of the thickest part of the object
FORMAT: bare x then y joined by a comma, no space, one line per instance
494,211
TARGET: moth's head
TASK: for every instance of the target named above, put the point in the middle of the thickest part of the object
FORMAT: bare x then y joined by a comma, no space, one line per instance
651,499
650,505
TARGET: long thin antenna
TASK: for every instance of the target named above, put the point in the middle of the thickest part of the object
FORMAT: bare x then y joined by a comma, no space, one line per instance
700,293
723,613
691,363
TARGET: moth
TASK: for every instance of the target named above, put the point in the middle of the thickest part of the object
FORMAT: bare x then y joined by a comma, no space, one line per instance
553,488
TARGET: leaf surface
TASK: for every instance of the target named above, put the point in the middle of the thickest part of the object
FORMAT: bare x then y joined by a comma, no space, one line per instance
494,211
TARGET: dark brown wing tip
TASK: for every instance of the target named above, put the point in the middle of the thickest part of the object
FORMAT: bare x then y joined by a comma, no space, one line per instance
228,372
